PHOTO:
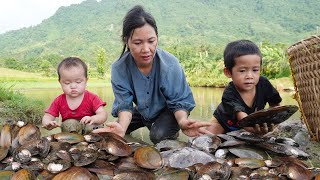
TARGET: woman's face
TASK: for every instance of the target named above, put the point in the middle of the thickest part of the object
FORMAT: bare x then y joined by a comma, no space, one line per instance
143,44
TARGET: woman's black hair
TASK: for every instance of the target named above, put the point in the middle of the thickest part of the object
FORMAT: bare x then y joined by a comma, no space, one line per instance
135,18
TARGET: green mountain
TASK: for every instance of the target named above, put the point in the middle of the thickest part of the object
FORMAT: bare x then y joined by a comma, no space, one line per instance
83,28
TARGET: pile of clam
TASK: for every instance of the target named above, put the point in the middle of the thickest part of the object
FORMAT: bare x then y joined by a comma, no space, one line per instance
25,154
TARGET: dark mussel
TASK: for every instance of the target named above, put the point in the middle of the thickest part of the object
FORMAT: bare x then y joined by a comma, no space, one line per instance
274,115
87,156
37,147
54,148
246,136
248,152
33,166
126,164
101,167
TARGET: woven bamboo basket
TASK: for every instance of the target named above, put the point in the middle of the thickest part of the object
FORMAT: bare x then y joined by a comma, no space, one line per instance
304,59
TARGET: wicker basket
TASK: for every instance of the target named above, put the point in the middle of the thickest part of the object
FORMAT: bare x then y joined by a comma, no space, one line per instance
304,59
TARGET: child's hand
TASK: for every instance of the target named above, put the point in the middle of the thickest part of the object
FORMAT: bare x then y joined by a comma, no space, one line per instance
87,120
264,128
49,125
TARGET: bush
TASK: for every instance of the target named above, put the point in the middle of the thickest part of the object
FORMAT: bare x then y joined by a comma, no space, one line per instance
16,106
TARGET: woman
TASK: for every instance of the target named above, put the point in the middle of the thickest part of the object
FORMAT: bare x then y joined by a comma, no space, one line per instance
154,81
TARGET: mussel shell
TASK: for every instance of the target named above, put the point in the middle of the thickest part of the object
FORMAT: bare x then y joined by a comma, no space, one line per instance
33,166
3,152
215,170
65,155
101,167
45,175
22,155
115,146
283,149
234,142
92,137
185,157
237,172
148,157
168,173
28,133
54,148
208,143
169,144
35,147
44,147
295,171
58,166
86,157
248,152
135,175
75,173
110,135
6,174
23,174
71,138
126,164
249,162
274,115
249,137
5,139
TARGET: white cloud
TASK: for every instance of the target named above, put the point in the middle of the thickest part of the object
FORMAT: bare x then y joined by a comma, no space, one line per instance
16,14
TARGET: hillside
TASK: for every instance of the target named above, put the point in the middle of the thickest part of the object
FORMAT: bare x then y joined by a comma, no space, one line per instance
83,28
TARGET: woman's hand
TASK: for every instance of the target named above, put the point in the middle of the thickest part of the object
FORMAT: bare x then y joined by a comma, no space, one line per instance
113,127
193,128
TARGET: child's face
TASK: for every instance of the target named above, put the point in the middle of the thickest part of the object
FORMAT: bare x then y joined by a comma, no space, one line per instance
73,81
246,72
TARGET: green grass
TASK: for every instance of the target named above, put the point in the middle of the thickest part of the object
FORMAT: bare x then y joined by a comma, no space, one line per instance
15,106
25,80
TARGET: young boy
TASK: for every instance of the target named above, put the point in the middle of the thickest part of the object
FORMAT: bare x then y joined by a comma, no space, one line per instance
80,109
247,92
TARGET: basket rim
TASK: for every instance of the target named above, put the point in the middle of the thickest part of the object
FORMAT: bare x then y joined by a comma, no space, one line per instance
313,38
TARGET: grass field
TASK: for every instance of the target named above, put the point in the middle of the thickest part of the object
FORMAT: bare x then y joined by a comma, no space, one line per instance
25,80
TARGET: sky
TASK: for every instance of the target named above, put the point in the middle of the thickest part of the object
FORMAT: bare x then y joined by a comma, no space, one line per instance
16,14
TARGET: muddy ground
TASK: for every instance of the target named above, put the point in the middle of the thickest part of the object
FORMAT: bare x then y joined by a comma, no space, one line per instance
297,130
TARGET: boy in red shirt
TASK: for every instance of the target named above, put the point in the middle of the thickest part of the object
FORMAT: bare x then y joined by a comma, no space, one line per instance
80,109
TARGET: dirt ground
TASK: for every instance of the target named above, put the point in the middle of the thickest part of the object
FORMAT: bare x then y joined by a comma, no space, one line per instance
298,131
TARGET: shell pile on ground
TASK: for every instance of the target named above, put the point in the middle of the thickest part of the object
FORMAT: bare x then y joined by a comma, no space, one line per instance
25,154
